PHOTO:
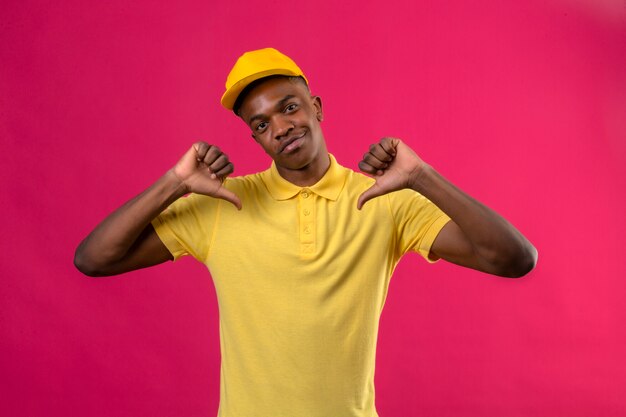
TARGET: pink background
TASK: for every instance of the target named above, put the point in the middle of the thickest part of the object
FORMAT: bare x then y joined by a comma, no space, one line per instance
522,104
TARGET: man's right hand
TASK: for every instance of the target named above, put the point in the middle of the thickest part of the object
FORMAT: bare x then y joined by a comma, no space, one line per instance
202,170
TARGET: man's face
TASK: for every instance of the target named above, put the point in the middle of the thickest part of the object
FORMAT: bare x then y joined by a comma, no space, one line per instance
285,121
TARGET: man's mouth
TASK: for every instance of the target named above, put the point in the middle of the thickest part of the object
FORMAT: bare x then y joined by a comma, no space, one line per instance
291,144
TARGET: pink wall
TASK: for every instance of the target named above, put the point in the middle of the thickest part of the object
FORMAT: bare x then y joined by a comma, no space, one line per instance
520,103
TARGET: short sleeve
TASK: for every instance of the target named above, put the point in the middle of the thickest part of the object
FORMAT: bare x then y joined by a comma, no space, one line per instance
186,226
418,222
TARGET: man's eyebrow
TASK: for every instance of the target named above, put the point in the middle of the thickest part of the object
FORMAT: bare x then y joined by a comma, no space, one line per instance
284,101
255,117
278,106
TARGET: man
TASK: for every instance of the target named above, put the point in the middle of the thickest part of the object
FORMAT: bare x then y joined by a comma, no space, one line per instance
301,254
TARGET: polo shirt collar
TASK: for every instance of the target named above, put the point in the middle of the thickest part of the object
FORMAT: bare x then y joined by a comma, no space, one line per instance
329,186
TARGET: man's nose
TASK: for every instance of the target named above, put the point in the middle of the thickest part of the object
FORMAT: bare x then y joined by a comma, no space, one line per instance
282,126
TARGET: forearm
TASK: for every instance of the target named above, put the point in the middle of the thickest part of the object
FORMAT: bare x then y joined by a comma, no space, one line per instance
114,236
492,237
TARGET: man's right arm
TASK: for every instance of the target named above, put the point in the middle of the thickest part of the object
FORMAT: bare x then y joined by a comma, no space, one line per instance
126,241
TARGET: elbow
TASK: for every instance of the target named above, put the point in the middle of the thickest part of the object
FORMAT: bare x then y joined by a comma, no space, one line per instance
523,265
515,264
528,260
82,263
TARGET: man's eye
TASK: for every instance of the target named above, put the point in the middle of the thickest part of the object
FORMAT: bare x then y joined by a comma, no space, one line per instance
291,107
261,126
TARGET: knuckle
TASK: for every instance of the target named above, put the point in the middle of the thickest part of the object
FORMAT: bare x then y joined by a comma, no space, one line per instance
198,146
365,167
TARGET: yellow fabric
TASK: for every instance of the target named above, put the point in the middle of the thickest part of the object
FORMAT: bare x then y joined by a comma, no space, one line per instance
254,65
301,278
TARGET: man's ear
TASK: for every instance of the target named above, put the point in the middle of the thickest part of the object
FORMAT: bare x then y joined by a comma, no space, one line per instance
317,105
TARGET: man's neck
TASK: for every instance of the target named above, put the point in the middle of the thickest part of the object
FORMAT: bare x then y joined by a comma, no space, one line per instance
308,175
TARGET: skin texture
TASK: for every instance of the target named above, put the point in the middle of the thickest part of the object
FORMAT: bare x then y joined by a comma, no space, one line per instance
285,121
280,110
476,237
126,241
202,169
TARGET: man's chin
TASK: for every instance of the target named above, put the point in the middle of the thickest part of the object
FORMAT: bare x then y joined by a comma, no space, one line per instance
296,161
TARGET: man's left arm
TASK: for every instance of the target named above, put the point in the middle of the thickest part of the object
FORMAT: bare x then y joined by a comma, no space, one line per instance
477,237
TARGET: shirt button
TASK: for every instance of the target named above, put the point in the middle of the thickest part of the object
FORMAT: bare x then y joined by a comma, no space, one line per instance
307,230
306,212
305,194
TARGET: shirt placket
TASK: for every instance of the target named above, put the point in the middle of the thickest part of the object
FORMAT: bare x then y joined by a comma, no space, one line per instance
307,222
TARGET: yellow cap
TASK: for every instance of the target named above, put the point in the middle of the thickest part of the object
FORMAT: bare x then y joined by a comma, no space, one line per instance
254,65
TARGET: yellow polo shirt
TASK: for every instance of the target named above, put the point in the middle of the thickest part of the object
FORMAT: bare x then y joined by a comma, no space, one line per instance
301,278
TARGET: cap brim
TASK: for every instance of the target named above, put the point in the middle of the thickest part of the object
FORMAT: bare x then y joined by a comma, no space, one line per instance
230,96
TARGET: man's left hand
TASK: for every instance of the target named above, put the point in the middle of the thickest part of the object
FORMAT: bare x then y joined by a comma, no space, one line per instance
394,166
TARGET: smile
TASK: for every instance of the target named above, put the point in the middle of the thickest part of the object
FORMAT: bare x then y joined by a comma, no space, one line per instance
291,144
